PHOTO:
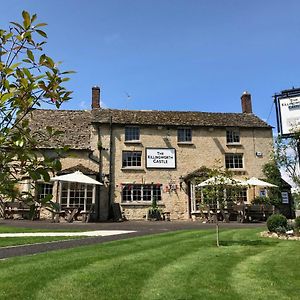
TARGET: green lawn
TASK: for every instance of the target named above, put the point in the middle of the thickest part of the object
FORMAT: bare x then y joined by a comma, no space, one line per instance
14,241
178,265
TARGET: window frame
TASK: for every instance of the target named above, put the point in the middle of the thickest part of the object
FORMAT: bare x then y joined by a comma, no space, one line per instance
237,161
130,136
43,189
233,133
137,160
140,193
184,138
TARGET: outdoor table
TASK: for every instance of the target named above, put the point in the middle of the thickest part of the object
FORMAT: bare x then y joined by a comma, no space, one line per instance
71,213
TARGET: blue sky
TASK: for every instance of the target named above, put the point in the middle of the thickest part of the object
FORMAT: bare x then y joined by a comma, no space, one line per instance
172,55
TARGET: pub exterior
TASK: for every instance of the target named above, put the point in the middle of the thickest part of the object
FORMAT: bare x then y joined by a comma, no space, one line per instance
141,156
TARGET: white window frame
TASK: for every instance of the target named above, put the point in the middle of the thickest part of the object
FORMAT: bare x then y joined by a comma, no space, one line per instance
184,135
43,189
132,134
236,159
134,161
131,188
233,136
285,197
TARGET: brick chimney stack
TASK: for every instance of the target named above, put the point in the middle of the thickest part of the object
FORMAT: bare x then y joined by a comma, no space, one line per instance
95,97
246,103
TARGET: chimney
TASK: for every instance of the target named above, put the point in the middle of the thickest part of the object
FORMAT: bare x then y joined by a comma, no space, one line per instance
246,103
95,97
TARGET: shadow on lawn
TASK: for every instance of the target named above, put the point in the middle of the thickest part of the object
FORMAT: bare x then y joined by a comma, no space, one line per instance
247,243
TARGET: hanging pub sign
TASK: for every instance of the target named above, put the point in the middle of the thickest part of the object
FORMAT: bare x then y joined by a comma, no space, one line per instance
160,158
288,111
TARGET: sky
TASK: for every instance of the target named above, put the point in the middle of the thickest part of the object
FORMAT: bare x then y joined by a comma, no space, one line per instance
192,55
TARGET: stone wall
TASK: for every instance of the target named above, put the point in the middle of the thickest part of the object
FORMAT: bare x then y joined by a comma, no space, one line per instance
208,149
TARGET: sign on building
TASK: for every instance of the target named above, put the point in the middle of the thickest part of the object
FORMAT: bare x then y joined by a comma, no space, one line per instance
288,111
160,158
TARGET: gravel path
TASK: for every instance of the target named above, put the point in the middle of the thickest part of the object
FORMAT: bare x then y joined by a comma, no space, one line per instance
135,228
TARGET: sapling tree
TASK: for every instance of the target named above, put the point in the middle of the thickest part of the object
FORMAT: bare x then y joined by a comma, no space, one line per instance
28,78
220,188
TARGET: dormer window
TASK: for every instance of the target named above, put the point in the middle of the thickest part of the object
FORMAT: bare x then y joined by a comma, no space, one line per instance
132,134
184,135
233,136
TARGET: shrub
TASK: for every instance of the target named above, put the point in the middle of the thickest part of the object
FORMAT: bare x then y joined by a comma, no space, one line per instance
280,230
297,225
261,200
275,221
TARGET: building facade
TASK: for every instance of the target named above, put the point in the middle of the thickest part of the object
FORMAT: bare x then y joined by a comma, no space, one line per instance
142,156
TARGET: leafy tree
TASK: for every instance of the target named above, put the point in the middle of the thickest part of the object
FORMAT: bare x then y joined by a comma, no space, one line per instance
273,175
286,156
28,78
214,192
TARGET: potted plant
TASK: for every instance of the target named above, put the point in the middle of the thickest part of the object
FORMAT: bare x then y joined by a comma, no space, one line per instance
154,211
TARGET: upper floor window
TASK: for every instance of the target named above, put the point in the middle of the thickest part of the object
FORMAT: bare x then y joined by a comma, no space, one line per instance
184,135
234,161
141,192
131,159
233,136
132,133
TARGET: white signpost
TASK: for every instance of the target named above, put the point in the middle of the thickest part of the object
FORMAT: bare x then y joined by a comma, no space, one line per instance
289,110
160,158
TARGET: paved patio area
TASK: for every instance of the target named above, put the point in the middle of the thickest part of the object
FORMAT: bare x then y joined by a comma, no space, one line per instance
130,228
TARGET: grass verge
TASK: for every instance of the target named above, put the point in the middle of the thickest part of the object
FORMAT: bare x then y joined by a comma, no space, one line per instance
177,265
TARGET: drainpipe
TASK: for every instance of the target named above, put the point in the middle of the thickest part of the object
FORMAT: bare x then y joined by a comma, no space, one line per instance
110,167
99,162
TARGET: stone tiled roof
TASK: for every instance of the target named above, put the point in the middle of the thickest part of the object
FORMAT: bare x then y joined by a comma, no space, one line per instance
177,118
75,125
78,167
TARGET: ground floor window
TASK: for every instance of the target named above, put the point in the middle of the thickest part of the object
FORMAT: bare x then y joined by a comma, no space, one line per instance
141,192
73,194
238,195
44,189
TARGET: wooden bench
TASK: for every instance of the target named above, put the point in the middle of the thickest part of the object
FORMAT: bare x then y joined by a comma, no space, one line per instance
18,210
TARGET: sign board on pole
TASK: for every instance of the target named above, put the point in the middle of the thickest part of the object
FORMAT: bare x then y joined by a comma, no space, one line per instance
289,110
160,158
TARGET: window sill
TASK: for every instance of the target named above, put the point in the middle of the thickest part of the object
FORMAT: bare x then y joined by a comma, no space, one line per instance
140,203
233,144
185,143
132,142
132,169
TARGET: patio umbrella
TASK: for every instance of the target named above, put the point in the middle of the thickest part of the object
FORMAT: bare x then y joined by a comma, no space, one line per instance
220,180
257,182
77,176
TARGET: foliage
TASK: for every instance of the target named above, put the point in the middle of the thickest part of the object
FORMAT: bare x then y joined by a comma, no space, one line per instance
28,78
214,193
273,175
154,211
261,200
297,223
286,156
280,230
275,221
296,199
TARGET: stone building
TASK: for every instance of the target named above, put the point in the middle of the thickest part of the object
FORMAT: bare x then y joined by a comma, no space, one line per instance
142,155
